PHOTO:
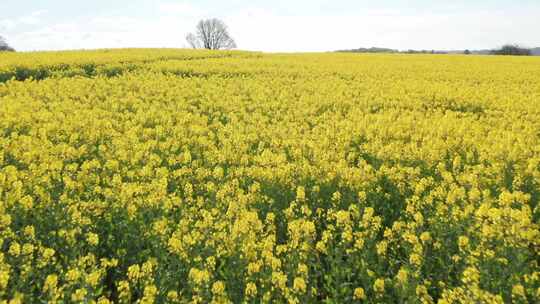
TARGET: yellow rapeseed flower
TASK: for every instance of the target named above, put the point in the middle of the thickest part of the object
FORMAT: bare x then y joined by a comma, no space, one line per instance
378,286
359,293
251,289
299,285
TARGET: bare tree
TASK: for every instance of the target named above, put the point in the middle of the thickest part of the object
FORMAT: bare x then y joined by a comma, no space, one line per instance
211,34
193,41
4,46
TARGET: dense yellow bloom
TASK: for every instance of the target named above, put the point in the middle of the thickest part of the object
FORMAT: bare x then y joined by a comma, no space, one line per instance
463,241
134,273
48,253
14,249
518,291
279,280
93,278
4,279
149,295
124,291
471,275
73,275
421,290
79,295
303,269
381,248
27,249
299,285
50,284
378,286
251,289
198,276
415,259
300,194
218,288
359,293
29,231
402,276
172,296
425,236
103,300
254,268
92,239
189,176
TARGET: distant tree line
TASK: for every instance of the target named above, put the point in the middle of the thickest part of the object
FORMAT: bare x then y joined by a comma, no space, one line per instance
386,50
424,52
369,50
512,49
508,49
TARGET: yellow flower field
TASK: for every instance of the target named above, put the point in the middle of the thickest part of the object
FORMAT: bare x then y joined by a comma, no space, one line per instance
176,176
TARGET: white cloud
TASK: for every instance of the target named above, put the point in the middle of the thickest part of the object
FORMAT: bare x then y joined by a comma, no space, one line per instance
33,18
267,30
451,29
180,9
107,32
7,24
167,29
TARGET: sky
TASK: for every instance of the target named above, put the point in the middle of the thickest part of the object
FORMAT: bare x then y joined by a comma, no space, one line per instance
272,26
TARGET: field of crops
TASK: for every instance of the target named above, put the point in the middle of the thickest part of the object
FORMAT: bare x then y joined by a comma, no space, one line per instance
174,176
